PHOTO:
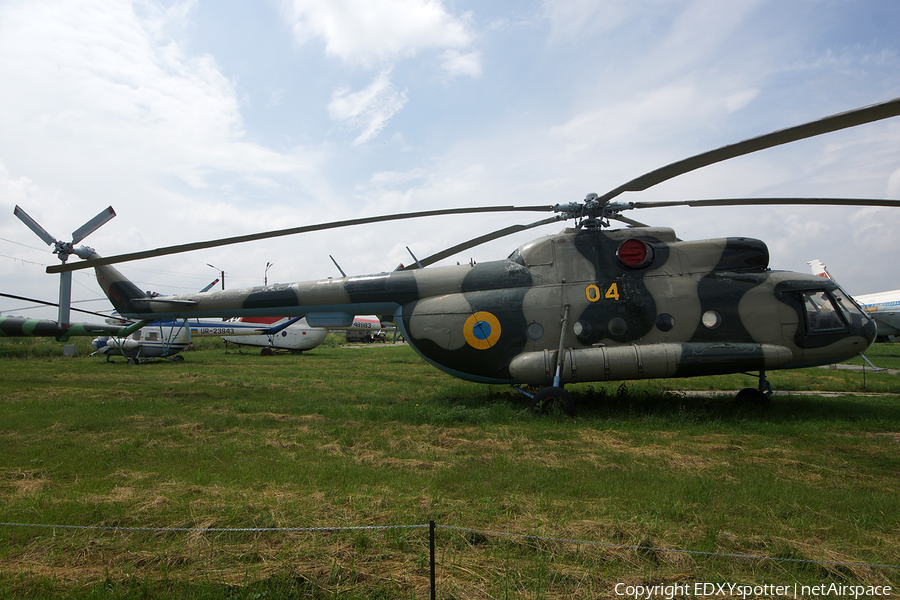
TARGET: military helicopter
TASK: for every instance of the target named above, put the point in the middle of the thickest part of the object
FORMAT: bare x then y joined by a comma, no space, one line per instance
587,304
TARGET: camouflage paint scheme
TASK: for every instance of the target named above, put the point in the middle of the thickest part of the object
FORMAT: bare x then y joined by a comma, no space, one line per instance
686,308
21,327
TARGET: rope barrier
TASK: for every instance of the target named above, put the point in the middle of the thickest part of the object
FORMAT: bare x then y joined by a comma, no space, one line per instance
212,529
673,550
449,528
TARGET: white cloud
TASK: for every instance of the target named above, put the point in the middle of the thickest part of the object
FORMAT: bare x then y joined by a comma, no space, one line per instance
377,34
166,109
374,32
457,63
117,97
571,18
368,109
893,187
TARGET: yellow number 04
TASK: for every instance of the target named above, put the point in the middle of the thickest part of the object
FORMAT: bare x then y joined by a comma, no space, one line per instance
593,292
613,292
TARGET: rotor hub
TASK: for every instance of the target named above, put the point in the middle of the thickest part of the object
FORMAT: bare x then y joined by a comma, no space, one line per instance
63,250
593,213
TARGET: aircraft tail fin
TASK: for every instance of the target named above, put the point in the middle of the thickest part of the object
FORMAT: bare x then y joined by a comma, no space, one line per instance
126,297
818,269
280,327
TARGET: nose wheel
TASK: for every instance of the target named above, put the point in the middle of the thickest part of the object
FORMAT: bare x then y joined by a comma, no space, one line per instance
758,396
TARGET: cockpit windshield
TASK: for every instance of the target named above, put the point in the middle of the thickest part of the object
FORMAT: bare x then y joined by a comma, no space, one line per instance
830,311
850,309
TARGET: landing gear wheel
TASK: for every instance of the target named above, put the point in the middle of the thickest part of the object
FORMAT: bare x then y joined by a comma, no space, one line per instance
265,352
551,399
752,396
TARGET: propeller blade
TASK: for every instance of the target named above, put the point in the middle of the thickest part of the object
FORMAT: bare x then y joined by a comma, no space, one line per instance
765,201
96,262
852,118
33,225
478,241
92,225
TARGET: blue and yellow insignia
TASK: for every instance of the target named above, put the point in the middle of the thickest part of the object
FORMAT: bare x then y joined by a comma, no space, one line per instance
482,330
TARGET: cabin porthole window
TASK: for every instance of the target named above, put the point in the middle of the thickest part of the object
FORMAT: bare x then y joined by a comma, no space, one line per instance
582,329
665,322
711,319
617,326
534,331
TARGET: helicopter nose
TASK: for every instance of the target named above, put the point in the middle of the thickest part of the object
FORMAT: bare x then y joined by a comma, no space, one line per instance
868,330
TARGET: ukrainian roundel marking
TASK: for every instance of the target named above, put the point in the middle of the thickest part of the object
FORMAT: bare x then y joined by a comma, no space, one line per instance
482,330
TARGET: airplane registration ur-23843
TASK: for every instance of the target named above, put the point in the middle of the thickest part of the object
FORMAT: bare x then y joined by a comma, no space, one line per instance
587,304
167,338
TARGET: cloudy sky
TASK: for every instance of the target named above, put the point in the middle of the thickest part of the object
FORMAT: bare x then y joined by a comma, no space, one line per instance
203,119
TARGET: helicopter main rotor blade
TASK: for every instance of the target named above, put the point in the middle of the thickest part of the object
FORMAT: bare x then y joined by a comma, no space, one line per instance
628,221
96,262
852,118
33,225
770,201
92,225
46,303
482,239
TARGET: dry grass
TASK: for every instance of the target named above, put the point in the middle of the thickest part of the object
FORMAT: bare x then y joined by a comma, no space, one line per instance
228,441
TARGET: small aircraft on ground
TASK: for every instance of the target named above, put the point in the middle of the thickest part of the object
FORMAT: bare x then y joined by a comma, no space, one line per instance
883,307
157,339
273,334
295,338
587,304
167,338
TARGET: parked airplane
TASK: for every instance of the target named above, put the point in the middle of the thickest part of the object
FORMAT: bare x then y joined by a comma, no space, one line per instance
272,333
883,307
161,339
297,337
169,337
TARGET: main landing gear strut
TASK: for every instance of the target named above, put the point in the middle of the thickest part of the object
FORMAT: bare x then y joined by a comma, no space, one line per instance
555,397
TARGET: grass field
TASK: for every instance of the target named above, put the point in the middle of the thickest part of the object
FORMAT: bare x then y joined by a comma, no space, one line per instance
374,437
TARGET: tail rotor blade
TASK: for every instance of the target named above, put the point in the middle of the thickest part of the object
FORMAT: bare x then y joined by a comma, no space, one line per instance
33,225
92,225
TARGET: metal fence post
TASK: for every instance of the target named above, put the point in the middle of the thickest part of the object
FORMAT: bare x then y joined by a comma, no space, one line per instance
431,548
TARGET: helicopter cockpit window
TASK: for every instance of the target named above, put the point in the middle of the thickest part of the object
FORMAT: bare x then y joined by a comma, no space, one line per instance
821,313
852,313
